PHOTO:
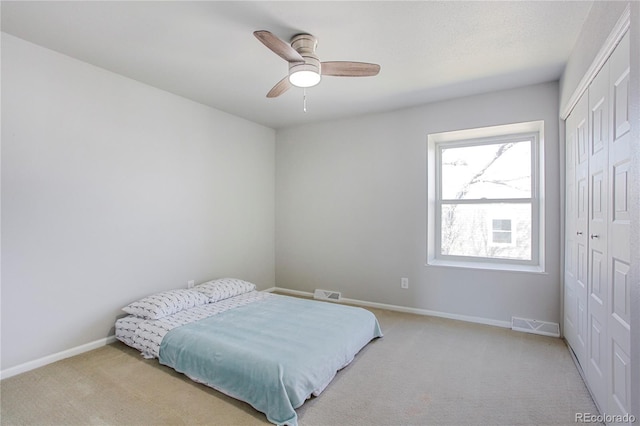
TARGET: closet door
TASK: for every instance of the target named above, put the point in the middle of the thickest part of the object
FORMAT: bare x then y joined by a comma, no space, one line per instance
598,283
576,230
570,263
619,323
597,263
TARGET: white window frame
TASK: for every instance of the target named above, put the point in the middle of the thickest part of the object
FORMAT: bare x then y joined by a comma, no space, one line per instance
533,131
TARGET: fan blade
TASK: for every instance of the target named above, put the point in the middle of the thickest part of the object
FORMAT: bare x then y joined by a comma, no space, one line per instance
349,69
278,46
280,87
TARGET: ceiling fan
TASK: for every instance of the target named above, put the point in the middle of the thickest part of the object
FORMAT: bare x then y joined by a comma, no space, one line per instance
305,69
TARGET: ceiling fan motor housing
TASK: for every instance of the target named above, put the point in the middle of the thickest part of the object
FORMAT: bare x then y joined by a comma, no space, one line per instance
305,45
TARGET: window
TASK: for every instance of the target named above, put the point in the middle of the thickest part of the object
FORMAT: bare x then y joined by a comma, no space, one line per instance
485,197
501,233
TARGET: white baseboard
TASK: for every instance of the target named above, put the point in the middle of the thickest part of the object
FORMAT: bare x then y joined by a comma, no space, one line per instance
417,311
32,365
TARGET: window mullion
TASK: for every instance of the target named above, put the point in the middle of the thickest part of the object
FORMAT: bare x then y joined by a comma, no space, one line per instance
488,201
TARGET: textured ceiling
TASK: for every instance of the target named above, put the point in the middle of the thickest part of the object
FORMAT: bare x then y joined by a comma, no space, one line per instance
205,51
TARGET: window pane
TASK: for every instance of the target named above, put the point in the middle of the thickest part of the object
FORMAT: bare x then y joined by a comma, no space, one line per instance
501,224
500,237
501,170
467,230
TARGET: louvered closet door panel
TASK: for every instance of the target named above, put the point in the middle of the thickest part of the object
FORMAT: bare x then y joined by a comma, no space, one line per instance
619,323
597,363
576,229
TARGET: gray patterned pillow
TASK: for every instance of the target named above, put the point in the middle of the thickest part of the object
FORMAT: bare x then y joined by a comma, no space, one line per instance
224,288
160,305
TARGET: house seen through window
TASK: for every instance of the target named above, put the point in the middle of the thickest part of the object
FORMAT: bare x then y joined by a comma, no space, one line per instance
501,232
484,195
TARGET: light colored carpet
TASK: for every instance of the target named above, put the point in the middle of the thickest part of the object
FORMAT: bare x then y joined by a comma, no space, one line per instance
424,371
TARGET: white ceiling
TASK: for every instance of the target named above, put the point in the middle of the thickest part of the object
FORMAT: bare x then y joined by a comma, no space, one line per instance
205,50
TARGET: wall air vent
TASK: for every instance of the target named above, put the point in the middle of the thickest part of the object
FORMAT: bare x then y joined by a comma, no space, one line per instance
327,295
535,326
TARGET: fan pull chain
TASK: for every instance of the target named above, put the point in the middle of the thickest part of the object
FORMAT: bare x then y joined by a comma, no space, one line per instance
304,99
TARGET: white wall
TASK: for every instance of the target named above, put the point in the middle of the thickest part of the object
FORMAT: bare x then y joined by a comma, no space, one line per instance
112,190
601,19
351,210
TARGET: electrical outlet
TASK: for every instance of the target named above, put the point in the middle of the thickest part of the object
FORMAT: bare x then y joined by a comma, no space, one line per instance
190,283
404,282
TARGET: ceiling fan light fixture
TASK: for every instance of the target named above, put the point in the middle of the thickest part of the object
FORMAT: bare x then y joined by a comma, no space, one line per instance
304,78
304,75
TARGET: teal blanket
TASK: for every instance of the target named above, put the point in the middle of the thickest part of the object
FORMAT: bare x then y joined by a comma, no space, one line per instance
272,354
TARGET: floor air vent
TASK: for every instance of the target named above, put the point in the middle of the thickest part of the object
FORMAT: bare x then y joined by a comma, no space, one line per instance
327,295
536,327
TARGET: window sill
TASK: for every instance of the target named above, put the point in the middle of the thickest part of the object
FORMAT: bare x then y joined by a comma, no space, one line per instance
532,269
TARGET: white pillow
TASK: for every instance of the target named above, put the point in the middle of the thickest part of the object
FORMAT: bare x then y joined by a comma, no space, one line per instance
160,305
224,288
